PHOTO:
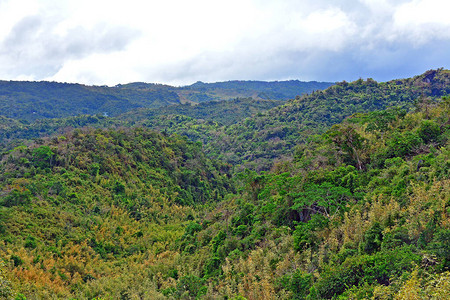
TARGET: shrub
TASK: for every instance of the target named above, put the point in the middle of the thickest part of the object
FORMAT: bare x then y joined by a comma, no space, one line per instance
190,286
16,260
429,131
43,157
17,197
380,268
30,242
403,144
372,239
298,283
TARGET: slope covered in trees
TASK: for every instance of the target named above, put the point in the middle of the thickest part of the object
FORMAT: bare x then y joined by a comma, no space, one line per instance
37,100
362,211
225,112
40,100
269,136
92,209
14,132
279,90
259,90
359,210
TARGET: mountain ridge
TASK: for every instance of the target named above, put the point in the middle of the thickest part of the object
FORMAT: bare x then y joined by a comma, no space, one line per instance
32,100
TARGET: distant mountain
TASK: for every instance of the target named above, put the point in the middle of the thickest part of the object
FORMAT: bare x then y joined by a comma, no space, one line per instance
221,113
225,112
251,132
38,100
31,101
269,136
273,90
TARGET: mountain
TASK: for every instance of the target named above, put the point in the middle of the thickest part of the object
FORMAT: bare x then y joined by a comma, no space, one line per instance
225,112
361,211
270,136
259,90
39,100
274,90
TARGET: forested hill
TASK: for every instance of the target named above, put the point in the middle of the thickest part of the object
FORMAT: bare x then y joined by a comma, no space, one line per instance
361,212
348,199
96,205
258,140
225,112
259,90
38,100
267,136
275,90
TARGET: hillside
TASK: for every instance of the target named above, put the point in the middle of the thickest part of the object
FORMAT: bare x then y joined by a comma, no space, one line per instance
37,100
259,90
94,209
14,132
248,132
226,112
361,211
270,136
274,90
346,197
31,101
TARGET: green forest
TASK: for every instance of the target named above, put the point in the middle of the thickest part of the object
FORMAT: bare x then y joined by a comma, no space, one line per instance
31,101
342,193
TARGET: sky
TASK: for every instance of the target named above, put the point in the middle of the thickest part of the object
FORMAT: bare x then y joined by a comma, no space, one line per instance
179,42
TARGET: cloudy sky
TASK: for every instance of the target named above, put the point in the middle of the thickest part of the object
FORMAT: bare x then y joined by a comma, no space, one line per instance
179,42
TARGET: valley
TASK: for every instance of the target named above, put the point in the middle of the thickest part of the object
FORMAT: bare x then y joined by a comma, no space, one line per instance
233,190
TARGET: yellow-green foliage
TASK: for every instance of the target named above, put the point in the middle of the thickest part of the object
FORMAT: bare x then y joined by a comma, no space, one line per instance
361,212
97,213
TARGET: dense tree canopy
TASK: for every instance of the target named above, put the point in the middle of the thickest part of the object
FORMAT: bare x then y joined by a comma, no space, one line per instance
342,194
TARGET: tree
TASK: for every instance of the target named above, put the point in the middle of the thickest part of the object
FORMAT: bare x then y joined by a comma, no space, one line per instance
349,142
43,157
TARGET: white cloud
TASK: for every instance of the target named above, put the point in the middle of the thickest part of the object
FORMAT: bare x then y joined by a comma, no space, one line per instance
12,12
329,29
179,42
417,13
423,21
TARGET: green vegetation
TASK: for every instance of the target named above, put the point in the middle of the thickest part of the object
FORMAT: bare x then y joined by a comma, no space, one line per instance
32,101
225,112
218,113
259,90
13,132
82,208
270,136
354,201
354,215
280,90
